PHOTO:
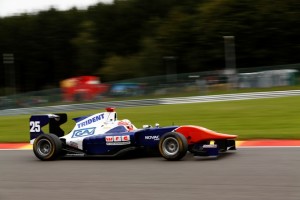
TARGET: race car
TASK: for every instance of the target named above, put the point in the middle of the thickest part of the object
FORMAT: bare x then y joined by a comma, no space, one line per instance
103,135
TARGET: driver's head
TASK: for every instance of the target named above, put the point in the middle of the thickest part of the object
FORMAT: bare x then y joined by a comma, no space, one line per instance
126,123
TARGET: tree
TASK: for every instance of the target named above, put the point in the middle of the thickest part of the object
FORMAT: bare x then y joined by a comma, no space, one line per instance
85,44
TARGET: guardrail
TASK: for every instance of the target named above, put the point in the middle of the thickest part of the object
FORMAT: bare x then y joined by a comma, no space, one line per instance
149,102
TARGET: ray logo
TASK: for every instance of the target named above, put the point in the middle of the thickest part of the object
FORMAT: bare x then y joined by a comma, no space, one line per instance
84,132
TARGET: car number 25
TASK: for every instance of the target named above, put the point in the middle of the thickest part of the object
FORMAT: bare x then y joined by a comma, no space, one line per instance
35,126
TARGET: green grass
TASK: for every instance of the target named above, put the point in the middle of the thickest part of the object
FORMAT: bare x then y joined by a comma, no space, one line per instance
276,118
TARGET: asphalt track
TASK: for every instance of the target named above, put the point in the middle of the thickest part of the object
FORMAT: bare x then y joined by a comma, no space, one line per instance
247,174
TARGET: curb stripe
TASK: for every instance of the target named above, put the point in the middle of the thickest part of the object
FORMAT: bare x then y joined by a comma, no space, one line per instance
15,146
270,143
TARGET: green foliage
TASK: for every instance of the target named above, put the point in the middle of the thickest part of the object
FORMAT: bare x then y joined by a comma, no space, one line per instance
86,57
133,36
118,68
136,65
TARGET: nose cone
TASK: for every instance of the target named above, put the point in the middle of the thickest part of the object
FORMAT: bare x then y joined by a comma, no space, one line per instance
197,133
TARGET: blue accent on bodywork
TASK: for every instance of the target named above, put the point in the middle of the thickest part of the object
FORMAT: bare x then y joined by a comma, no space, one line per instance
43,120
83,132
37,122
97,145
78,119
118,129
211,151
150,137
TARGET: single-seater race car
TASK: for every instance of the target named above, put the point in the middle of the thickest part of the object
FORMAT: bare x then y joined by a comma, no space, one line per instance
103,135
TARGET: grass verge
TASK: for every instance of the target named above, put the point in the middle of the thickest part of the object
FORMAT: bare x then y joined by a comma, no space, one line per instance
276,118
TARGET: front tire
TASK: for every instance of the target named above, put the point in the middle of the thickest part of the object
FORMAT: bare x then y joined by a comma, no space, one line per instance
47,147
173,146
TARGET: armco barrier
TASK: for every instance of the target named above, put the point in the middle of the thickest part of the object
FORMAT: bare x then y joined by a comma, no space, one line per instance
230,97
149,102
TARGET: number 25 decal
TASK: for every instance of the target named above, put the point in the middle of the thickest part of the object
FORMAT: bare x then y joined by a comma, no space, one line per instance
35,126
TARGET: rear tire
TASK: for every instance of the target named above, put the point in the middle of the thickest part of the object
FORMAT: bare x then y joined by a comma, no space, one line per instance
47,147
173,146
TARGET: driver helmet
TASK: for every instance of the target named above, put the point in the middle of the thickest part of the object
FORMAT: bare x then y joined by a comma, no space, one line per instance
127,124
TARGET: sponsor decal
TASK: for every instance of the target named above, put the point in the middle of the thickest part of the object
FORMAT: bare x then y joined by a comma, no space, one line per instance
117,140
83,132
210,146
92,120
73,144
152,137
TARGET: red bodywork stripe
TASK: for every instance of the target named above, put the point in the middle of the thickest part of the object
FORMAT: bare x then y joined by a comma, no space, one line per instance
196,134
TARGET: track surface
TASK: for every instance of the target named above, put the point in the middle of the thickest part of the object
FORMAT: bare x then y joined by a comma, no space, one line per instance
247,174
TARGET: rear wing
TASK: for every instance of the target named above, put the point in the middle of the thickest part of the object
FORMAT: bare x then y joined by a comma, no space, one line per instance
36,122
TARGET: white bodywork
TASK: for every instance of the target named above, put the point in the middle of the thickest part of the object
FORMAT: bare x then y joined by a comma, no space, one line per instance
95,124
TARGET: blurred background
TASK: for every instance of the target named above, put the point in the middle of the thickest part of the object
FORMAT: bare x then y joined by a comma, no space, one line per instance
126,49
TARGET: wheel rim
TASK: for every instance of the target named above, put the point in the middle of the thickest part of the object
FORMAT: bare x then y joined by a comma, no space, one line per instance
44,147
170,146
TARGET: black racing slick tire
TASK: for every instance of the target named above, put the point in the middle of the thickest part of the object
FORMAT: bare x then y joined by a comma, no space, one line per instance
173,146
47,147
